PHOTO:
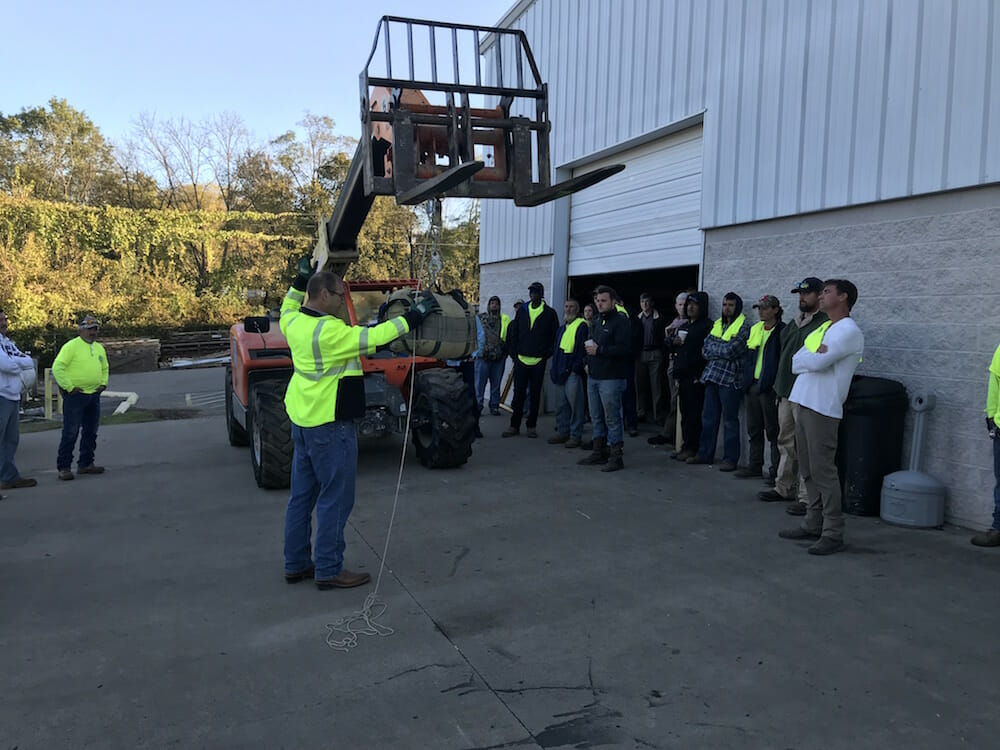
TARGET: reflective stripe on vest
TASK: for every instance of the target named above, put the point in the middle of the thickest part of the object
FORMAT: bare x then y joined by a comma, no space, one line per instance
731,331
568,341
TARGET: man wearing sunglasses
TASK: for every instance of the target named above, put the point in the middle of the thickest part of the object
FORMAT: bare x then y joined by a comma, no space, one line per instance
324,397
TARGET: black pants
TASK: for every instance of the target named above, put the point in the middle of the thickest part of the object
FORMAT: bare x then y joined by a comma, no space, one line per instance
525,376
691,400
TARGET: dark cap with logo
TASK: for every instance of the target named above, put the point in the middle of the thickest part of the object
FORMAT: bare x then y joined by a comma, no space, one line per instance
768,300
536,286
89,321
808,284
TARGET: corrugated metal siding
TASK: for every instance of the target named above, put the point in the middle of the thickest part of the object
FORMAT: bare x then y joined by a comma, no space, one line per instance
644,217
809,104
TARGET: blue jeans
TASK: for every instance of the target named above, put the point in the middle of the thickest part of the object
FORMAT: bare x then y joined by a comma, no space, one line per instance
721,402
492,373
81,416
571,406
323,472
996,489
10,436
606,408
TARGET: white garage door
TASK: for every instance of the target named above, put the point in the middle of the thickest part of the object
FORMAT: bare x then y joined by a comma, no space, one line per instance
644,217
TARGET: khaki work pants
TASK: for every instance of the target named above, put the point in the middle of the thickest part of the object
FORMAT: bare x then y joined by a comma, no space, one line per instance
816,439
787,483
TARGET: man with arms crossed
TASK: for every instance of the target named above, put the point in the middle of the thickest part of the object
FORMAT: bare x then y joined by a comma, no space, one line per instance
825,365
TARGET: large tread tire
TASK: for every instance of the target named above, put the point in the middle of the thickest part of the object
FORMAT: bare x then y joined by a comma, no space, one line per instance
237,433
444,428
271,447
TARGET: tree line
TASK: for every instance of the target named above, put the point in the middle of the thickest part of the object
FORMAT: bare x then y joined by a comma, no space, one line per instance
172,225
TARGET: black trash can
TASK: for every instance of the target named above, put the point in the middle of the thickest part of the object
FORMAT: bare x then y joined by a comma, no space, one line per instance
870,441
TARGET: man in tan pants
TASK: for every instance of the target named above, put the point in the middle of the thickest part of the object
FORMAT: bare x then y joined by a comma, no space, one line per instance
804,322
825,365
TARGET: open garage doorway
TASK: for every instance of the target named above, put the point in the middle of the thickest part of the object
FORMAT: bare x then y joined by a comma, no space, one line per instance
663,283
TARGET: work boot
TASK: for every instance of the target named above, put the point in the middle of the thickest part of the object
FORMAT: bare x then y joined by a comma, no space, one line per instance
598,455
748,472
772,496
798,533
302,575
682,455
795,509
615,462
65,474
696,459
989,538
346,580
558,439
510,432
532,432
18,483
90,469
659,440
826,546
572,443
727,466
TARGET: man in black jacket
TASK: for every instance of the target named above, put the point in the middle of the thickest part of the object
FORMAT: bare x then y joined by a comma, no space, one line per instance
609,365
761,403
530,341
688,366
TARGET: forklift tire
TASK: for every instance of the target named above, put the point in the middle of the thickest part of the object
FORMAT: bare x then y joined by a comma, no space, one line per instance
237,433
443,425
270,435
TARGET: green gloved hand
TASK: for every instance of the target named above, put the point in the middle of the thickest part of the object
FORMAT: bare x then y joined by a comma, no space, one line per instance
303,272
423,306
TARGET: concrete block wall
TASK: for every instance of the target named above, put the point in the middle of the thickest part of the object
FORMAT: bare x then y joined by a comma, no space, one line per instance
928,277
509,281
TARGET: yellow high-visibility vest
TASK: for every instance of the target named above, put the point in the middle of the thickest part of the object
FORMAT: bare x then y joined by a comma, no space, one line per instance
504,322
568,341
533,313
731,331
325,350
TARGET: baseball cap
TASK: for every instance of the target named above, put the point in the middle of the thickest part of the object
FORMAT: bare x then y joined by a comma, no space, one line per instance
808,284
536,286
89,321
768,300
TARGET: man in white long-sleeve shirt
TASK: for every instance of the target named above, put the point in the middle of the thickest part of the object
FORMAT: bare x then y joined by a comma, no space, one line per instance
12,363
825,365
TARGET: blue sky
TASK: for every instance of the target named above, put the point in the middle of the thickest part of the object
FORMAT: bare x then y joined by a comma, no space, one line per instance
268,61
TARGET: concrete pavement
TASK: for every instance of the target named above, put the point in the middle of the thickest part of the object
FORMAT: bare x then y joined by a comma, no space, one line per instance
535,603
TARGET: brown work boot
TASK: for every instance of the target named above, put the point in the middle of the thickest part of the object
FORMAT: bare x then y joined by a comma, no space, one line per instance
65,474
598,455
572,443
558,439
727,466
90,469
826,546
510,432
696,459
346,580
615,462
18,483
989,538
682,455
532,433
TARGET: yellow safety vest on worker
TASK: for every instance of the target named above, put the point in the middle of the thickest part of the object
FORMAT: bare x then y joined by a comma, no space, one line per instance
81,365
568,341
815,339
325,350
533,313
504,322
730,331
758,339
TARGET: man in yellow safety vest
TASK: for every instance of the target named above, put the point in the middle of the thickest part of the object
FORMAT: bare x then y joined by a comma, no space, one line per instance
324,397
991,538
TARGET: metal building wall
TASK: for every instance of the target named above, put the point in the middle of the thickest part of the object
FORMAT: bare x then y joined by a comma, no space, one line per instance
809,104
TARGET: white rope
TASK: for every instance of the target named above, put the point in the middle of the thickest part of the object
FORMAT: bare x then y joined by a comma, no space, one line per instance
343,634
